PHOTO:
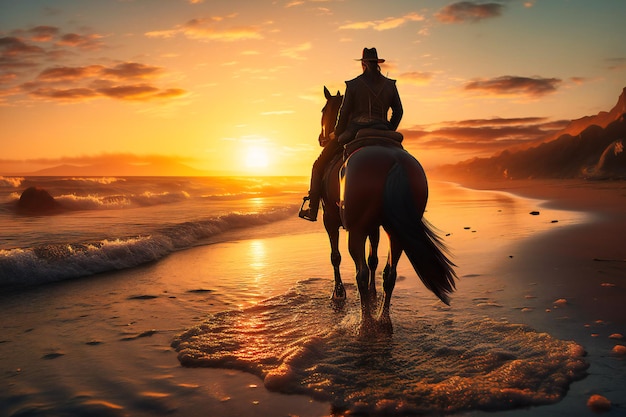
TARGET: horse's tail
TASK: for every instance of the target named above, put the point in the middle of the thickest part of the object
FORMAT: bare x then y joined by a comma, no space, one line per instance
419,241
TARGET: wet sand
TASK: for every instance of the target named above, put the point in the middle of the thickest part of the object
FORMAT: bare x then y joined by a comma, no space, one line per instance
571,283
574,262
101,346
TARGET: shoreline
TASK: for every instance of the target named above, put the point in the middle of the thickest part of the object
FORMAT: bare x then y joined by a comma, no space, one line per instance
571,283
579,258
119,326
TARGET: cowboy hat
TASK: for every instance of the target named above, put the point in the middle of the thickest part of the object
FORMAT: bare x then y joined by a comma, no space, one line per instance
370,55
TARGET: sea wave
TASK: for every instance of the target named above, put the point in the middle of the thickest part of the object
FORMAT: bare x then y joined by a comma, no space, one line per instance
13,182
74,202
56,262
97,202
98,180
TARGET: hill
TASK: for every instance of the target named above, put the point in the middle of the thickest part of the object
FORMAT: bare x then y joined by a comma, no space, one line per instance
589,147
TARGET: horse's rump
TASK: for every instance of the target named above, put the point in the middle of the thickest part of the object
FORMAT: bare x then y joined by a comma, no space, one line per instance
374,137
362,182
387,186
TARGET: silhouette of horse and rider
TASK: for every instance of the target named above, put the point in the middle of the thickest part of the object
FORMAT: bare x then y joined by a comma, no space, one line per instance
365,179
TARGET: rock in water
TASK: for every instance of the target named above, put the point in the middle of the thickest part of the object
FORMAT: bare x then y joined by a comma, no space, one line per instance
36,200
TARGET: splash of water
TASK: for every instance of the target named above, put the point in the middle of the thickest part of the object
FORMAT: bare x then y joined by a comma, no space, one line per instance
437,364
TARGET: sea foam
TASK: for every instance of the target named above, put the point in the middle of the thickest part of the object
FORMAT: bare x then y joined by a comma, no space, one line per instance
59,261
442,363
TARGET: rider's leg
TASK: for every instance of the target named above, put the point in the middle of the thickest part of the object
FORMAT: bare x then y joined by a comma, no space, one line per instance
314,192
317,174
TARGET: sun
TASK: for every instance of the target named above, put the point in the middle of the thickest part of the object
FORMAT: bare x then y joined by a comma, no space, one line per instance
256,157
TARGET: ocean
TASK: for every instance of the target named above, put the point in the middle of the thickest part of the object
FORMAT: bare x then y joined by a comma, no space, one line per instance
135,277
110,223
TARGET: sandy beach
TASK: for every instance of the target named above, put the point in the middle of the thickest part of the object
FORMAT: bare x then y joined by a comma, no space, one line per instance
102,346
571,282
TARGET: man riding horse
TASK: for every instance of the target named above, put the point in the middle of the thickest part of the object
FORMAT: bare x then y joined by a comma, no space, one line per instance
367,101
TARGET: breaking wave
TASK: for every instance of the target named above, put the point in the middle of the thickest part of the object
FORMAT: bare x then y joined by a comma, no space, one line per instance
56,262
437,365
97,202
13,182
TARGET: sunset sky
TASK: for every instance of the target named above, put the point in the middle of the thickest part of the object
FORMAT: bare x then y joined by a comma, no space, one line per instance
237,86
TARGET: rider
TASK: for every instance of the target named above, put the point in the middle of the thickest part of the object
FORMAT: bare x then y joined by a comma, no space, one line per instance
366,104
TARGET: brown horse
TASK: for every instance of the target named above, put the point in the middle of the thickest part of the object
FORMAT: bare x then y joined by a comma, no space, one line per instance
379,186
330,204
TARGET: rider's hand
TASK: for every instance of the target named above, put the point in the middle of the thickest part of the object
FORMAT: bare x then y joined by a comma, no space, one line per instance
332,135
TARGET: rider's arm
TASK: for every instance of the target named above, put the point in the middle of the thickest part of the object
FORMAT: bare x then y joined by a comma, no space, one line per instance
396,109
347,107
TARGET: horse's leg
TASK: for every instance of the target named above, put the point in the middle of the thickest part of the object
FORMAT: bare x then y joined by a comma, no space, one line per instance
389,282
356,246
339,292
372,263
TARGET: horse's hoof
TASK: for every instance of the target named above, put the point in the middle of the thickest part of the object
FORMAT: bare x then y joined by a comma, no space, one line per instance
373,300
339,293
384,325
367,328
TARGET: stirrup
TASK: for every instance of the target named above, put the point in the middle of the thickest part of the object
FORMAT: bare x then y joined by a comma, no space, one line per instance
306,213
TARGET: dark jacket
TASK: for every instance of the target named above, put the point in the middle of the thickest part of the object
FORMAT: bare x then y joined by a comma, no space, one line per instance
366,104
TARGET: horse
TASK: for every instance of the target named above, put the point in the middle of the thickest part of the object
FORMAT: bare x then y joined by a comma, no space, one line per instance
330,205
380,186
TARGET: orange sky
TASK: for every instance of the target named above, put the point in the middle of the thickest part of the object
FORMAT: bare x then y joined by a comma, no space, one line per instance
236,87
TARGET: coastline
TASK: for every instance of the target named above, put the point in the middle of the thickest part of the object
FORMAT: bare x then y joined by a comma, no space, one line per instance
103,344
579,258
573,282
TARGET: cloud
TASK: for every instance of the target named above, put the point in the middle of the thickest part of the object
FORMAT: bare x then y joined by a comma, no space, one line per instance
43,33
416,77
210,29
616,64
13,48
69,73
24,55
102,164
139,92
204,29
132,70
102,158
295,51
579,80
123,71
25,48
162,34
93,81
514,85
87,42
69,94
468,11
484,136
277,112
385,24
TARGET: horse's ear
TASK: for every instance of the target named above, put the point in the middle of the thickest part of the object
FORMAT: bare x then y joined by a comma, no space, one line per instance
327,93
338,92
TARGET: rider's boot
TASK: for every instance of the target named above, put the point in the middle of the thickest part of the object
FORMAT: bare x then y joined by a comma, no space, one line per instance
313,198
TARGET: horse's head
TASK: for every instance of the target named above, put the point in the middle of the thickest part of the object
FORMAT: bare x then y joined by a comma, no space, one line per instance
329,115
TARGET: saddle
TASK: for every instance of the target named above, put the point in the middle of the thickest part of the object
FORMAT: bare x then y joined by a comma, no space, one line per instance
371,137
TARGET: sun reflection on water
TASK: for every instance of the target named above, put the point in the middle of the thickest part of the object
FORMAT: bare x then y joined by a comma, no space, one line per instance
257,254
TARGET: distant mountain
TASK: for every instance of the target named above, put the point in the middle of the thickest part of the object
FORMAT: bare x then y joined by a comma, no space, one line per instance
589,147
601,119
122,169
